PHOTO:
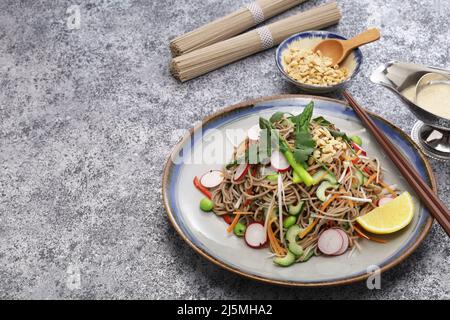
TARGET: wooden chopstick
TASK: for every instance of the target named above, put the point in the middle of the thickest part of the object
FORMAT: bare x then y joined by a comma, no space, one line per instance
423,191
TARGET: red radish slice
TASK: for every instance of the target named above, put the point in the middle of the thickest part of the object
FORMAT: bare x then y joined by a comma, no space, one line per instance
358,148
241,171
255,235
212,178
384,200
279,162
254,132
330,242
344,243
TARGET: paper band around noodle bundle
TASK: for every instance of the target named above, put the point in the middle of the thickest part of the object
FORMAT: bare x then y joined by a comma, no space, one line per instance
266,37
257,12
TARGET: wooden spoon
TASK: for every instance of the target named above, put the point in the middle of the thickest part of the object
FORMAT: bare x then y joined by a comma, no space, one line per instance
338,50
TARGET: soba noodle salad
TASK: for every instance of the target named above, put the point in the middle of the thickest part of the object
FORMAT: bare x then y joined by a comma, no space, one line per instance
296,185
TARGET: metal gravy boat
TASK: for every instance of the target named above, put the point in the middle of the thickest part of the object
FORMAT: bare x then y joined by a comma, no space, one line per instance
431,132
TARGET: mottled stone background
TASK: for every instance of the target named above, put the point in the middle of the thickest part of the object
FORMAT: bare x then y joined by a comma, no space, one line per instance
86,122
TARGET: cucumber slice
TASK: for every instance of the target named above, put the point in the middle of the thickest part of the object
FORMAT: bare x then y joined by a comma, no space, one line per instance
359,175
295,210
308,256
291,237
322,188
324,175
292,233
295,248
285,261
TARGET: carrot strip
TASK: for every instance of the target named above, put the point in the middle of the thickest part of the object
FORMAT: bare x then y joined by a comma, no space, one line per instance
350,203
308,228
363,235
329,201
243,212
371,178
273,241
388,189
201,188
234,223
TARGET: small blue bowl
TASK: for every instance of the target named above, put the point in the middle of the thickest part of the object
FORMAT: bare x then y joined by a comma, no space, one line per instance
308,40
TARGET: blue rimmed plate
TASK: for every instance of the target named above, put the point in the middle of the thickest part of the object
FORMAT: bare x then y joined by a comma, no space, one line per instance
308,40
206,234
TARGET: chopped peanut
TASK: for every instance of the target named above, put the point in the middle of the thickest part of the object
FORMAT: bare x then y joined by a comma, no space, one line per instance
308,67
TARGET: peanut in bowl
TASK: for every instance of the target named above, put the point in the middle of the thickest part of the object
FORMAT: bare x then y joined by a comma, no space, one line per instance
311,71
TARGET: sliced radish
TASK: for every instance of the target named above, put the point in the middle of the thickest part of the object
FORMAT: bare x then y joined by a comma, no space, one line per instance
279,162
255,235
212,178
358,148
241,171
330,242
345,243
384,200
254,133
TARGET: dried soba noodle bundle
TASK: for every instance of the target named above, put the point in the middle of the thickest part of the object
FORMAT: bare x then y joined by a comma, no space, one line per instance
230,25
201,61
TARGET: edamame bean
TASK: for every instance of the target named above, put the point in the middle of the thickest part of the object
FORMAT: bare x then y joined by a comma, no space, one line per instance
239,229
357,140
206,204
289,221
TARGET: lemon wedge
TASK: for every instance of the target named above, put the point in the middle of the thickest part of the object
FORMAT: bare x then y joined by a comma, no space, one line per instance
391,217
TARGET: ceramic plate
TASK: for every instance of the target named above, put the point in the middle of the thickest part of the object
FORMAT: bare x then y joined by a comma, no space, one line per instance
206,232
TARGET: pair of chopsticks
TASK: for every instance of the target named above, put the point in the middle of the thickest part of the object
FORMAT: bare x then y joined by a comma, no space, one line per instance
425,193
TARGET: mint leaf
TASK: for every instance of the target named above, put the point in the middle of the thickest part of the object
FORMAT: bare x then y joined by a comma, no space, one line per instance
304,139
277,116
341,134
302,154
322,121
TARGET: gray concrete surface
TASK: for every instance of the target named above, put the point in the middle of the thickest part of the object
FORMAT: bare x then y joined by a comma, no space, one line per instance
86,122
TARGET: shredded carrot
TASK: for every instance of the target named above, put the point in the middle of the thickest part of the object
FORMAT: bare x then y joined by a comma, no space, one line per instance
371,178
308,228
243,212
365,236
328,202
313,224
350,203
234,223
388,189
201,188
273,241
